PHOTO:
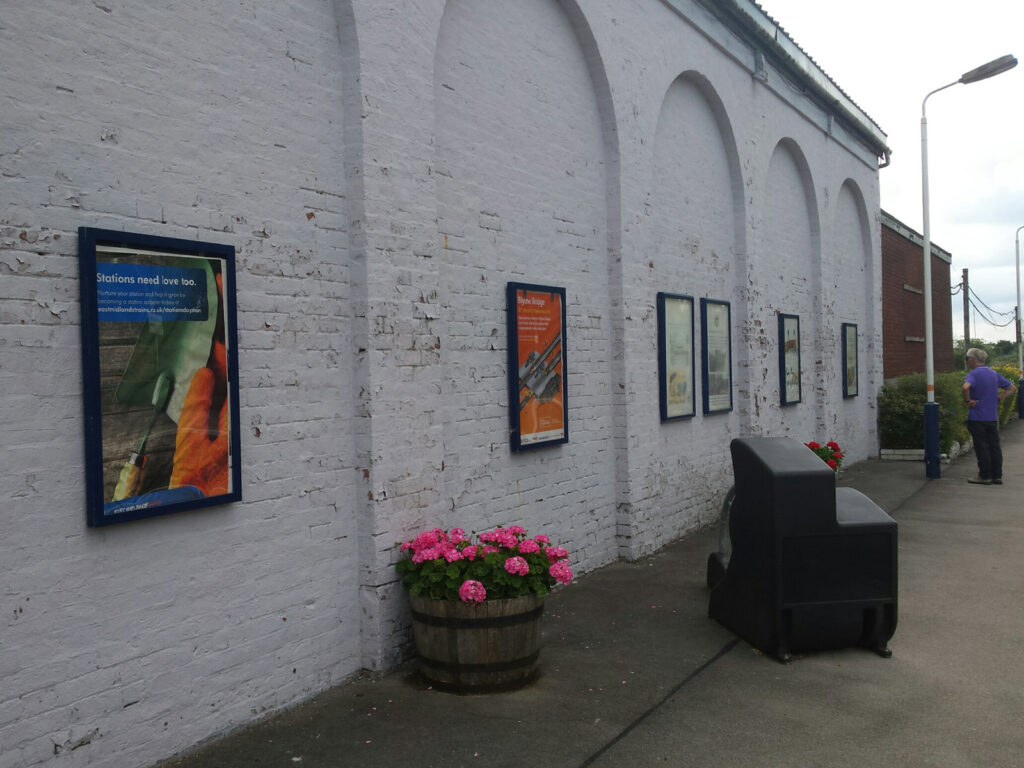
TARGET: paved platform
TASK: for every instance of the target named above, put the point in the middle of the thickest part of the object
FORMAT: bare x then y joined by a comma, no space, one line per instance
636,674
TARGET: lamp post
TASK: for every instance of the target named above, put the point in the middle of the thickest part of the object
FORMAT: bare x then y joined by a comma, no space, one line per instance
931,408
1020,361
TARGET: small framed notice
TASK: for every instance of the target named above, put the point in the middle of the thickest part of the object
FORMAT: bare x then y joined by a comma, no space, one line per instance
675,357
716,355
160,373
789,359
538,406
850,361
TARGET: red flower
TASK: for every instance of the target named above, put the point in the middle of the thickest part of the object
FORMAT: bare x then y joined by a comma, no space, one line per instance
813,445
832,463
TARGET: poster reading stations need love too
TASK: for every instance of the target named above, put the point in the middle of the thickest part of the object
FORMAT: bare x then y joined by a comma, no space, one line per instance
161,375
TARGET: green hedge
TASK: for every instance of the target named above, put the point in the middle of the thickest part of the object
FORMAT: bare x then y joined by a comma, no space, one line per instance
1009,406
901,410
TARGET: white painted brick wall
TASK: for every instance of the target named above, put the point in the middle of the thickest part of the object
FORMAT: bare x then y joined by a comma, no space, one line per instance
856,278
522,194
786,277
775,228
383,169
217,122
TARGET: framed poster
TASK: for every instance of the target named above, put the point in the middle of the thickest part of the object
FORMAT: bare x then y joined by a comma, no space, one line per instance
789,359
716,355
538,406
160,375
850,363
675,356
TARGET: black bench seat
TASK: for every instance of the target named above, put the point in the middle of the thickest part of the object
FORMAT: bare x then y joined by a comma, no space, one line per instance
812,566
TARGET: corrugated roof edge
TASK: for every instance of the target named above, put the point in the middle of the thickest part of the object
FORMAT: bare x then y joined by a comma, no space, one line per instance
800,65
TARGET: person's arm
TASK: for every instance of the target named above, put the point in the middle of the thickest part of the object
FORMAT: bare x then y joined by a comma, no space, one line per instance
1006,392
966,394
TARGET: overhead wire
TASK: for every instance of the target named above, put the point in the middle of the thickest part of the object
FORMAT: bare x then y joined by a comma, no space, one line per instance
986,306
978,312
989,320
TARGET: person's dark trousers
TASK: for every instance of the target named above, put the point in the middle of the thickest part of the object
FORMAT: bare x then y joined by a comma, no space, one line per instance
985,435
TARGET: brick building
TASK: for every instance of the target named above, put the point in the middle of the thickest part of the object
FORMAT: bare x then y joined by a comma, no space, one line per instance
903,302
383,168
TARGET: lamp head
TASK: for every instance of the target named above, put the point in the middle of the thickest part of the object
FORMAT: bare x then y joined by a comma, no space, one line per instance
993,68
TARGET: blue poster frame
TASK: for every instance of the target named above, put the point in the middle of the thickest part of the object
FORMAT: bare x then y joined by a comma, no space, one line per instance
851,373
517,382
786,325
664,342
134,254
712,353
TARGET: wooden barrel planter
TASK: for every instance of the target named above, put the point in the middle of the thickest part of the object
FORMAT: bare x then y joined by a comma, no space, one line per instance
476,648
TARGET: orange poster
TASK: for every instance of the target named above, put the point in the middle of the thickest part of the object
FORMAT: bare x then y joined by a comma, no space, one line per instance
538,391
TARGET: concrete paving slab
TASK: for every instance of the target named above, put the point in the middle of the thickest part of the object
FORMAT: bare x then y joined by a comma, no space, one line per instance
634,673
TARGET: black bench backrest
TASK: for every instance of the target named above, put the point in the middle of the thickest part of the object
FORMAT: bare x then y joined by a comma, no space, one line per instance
782,487
812,566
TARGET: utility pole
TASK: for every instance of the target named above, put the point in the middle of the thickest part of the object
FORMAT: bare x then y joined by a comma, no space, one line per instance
967,314
1016,318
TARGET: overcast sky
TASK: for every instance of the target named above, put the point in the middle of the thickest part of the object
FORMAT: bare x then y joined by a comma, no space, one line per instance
887,55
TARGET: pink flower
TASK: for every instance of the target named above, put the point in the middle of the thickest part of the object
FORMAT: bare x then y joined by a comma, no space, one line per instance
425,554
457,536
517,565
561,572
556,553
428,539
505,538
500,536
529,546
436,553
472,592
451,552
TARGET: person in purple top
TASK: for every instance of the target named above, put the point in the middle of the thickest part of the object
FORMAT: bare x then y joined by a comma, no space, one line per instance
983,390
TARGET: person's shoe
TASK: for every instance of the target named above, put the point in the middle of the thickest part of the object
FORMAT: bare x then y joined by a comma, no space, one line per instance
979,480
997,481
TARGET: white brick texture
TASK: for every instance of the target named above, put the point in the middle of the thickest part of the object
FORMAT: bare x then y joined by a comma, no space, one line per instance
383,169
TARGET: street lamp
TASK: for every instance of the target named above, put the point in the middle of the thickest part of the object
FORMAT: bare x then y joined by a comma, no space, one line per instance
931,408
1020,361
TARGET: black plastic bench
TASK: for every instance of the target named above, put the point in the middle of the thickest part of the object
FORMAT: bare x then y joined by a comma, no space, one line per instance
812,566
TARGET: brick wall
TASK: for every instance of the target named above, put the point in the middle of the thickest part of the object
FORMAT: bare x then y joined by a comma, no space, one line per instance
903,303
122,645
383,169
521,195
